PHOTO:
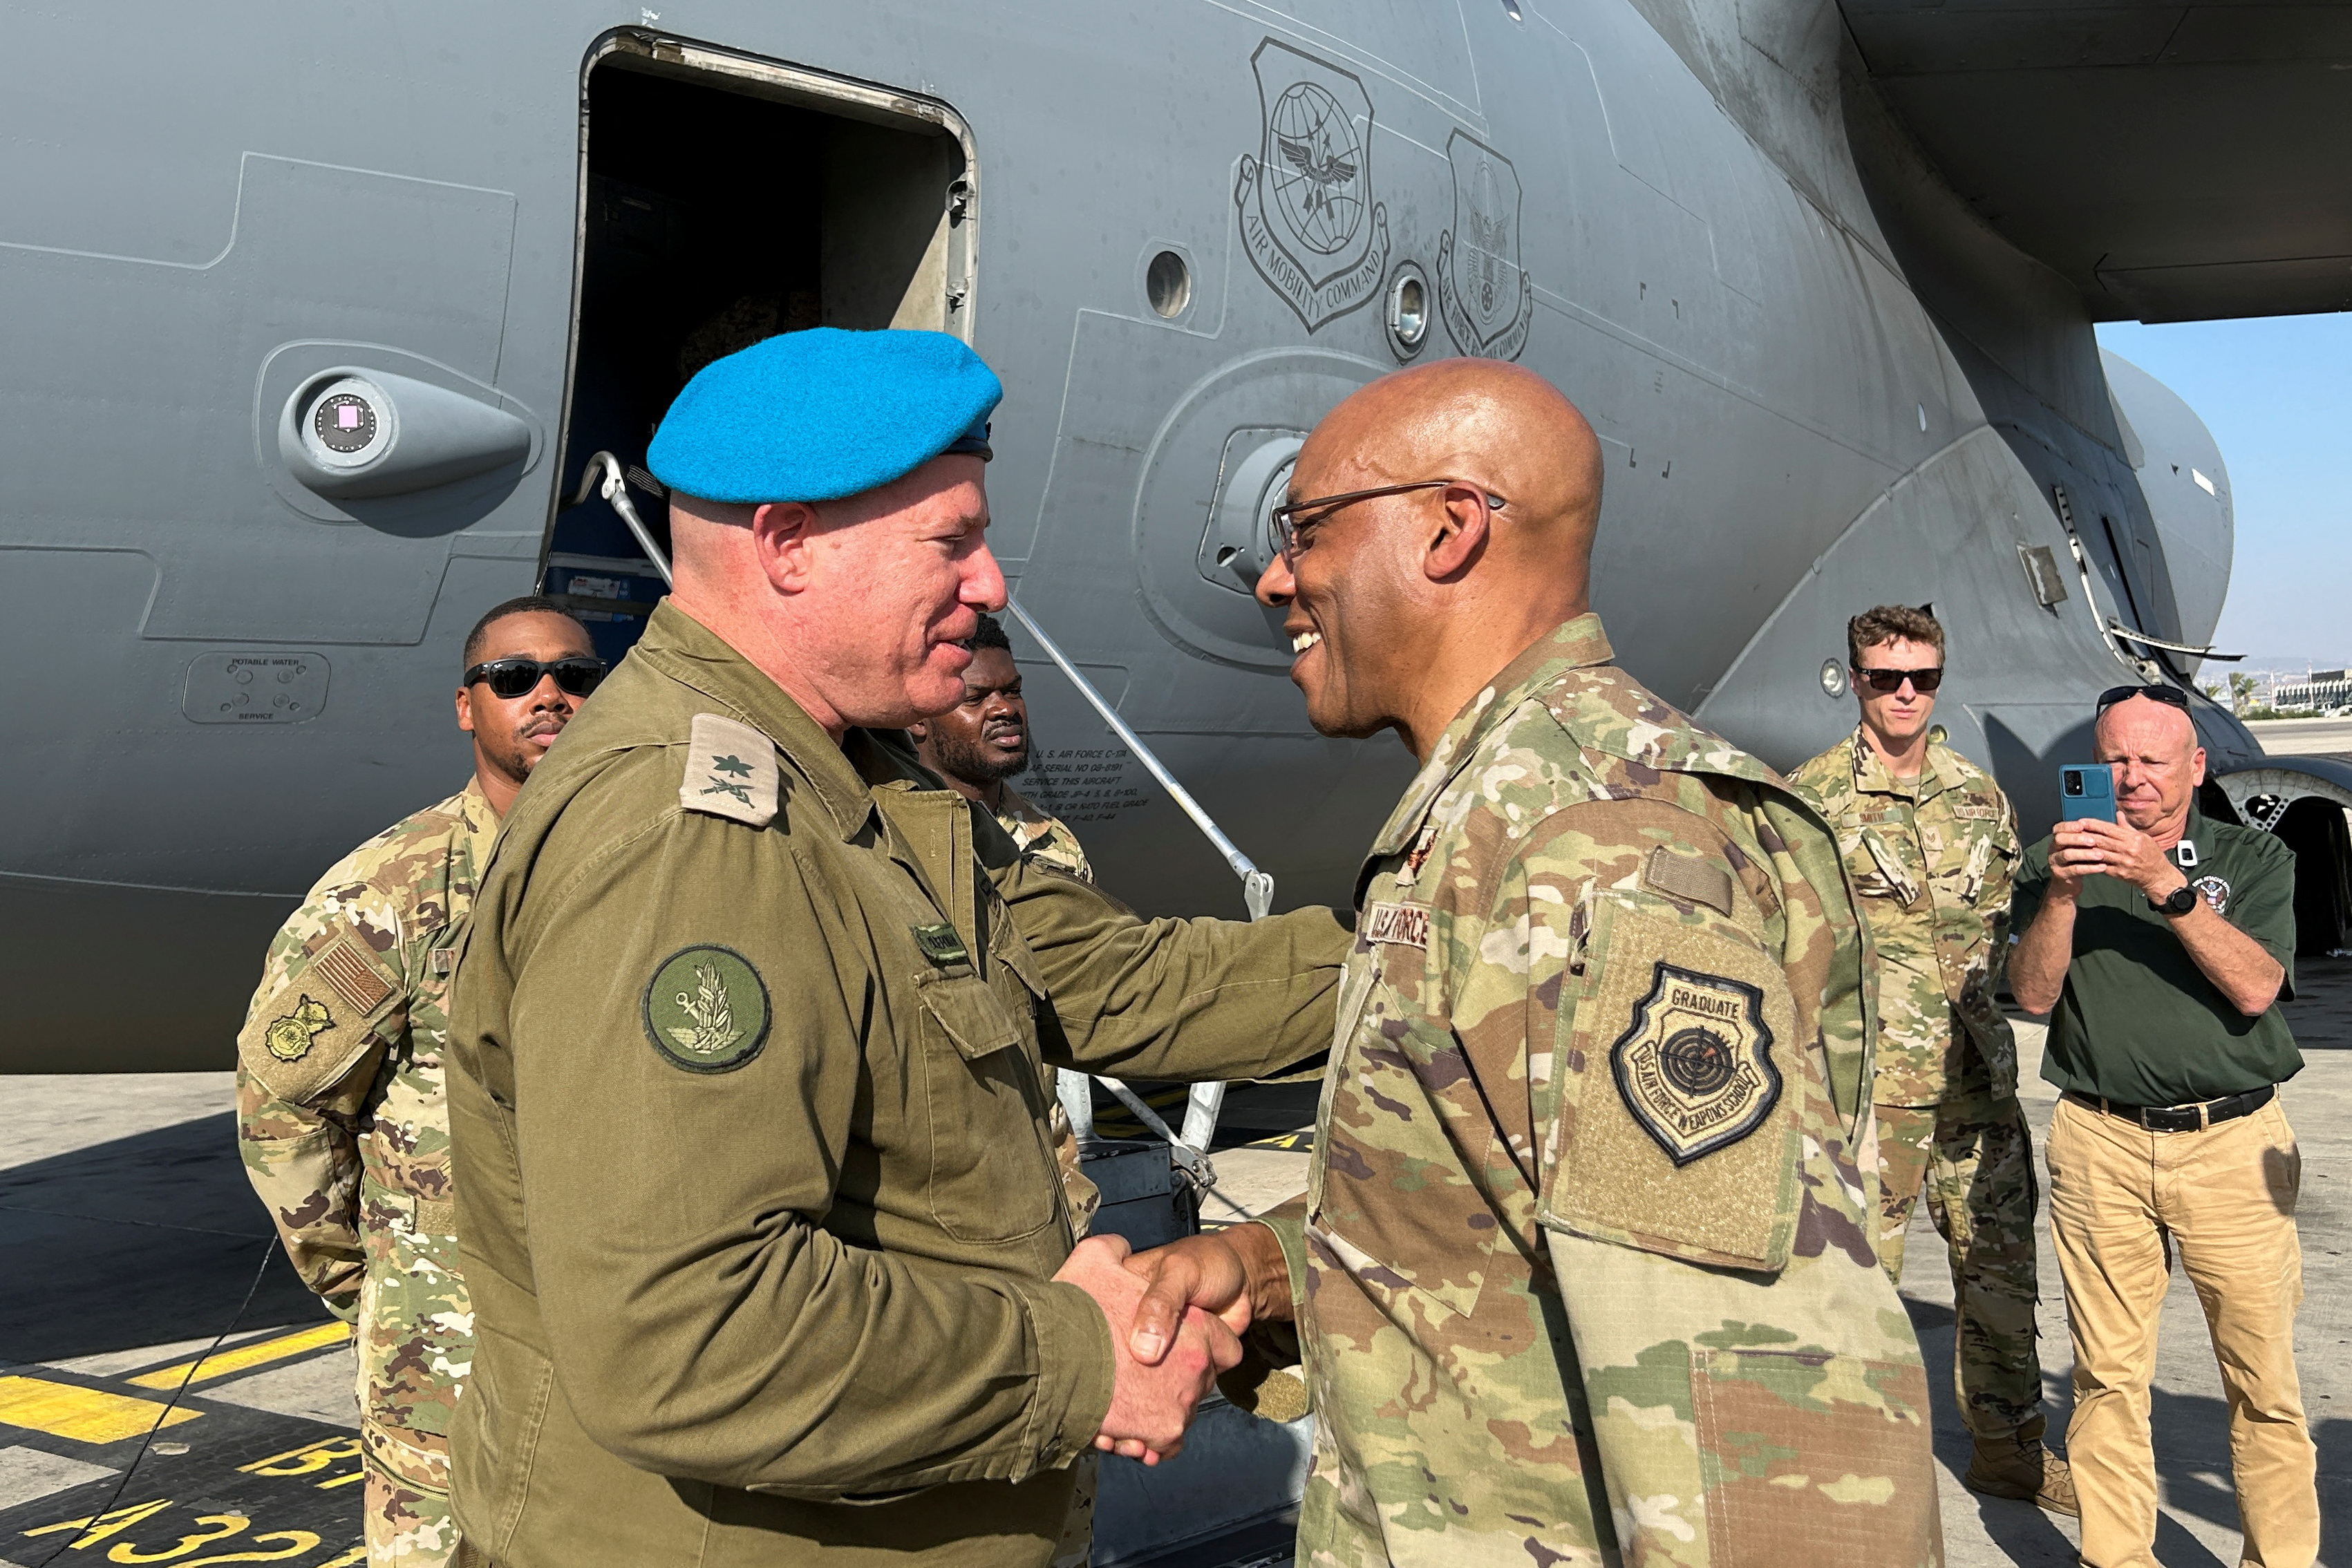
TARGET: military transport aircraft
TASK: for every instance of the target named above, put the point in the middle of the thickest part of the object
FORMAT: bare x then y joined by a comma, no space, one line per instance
316,315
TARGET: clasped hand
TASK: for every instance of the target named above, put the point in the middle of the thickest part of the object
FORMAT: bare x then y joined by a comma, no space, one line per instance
2079,849
1174,1313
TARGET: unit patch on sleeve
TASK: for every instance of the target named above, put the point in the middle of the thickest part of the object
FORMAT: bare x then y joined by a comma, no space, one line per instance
289,1038
1695,1068
706,1010
1406,924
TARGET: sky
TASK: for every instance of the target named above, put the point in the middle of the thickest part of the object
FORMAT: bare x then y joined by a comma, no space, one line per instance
2277,392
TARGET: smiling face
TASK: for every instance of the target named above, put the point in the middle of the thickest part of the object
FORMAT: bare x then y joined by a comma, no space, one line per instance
2158,764
984,740
1898,716
511,734
897,577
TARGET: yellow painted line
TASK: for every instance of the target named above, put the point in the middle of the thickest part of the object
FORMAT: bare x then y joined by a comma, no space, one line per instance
260,1352
86,1414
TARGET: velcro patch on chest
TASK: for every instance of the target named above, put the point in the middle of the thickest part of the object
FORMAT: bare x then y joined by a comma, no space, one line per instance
1696,1066
731,771
1405,925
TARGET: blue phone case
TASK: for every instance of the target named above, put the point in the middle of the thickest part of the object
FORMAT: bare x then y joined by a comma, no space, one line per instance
2086,791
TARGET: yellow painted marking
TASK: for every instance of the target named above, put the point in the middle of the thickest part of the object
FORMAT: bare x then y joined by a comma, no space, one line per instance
260,1352
351,1559
101,1525
342,1480
85,1415
308,1459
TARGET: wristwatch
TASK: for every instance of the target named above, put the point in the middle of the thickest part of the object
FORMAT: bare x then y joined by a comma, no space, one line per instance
2183,900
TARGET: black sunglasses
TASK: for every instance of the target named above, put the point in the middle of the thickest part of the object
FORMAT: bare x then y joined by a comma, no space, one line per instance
2170,696
512,678
1922,681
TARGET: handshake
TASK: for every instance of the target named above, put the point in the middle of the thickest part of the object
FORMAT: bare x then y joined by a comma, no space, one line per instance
1176,1314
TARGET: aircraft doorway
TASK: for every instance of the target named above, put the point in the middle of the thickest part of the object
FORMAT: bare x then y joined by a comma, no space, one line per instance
726,199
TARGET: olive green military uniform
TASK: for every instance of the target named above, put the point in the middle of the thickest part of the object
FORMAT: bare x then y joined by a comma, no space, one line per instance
750,1098
343,1123
1584,1270
1933,859
1042,836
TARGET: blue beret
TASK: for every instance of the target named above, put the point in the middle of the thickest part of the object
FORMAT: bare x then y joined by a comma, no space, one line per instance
823,413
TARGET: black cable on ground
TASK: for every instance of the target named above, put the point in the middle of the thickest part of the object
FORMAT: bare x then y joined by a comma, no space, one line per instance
113,1501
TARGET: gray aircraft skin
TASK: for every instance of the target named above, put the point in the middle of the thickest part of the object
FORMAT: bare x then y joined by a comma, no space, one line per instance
315,316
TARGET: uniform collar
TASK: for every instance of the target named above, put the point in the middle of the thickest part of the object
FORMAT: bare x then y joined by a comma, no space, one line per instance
1575,645
689,652
1936,772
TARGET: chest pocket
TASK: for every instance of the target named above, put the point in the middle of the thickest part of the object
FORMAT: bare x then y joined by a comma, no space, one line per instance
990,1176
1402,1139
1677,1125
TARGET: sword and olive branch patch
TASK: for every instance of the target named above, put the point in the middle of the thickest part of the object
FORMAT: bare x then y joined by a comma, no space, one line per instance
1696,1066
706,1010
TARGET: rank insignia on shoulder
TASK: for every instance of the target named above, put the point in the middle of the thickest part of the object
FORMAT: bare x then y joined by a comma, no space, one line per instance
941,945
1406,924
1696,1066
705,1008
289,1038
731,771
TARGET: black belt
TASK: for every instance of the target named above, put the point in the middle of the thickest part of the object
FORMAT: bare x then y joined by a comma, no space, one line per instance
2182,1118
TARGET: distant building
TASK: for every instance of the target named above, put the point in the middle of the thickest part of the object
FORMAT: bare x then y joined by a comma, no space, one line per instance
2319,689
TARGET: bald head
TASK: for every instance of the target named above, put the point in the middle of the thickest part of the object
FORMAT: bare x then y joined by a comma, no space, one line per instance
2158,764
1401,606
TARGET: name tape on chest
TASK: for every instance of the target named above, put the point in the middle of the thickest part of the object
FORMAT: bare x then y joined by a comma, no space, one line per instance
1404,925
1696,1066
731,771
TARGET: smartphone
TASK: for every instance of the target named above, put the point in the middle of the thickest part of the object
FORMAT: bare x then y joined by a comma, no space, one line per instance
2086,790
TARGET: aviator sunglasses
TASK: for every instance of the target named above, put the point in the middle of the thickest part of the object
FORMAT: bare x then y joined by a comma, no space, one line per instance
510,678
2171,697
1891,681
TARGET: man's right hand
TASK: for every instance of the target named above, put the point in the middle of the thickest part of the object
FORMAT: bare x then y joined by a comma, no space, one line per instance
1151,1401
1237,1273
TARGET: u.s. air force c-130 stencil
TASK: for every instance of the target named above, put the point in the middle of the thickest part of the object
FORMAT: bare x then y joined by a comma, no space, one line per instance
1483,294
1308,219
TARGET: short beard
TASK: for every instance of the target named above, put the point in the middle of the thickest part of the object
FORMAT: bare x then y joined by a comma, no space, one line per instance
975,765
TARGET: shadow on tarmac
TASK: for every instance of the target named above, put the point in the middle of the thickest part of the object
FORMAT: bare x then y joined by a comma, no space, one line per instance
149,1239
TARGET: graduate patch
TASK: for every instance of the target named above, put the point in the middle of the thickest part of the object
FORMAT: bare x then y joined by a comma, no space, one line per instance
706,1010
1696,1066
289,1038
1406,924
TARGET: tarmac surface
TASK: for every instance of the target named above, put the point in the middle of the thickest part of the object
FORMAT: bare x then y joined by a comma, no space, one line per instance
2304,737
166,1384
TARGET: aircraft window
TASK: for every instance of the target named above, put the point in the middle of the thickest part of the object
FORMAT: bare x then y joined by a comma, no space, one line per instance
1168,284
1407,309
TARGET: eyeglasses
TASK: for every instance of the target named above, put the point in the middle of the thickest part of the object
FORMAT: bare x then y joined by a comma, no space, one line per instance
1297,527
1922,681
512,678
2170,696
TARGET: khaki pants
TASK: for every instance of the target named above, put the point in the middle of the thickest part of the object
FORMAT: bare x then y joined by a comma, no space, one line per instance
1974,1157
2120,1197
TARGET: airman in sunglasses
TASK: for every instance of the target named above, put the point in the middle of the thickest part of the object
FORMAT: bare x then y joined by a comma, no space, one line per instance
1931,844
342,1118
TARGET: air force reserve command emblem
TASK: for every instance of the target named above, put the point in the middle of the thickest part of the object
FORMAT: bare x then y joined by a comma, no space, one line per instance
1696,1066
1308,217
1483,292
706,1010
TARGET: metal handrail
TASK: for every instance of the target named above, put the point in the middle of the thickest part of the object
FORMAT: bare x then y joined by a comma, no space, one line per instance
604,476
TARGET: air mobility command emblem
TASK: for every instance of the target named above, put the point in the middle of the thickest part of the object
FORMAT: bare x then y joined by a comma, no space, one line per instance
1696,1066
706,1010
289,1038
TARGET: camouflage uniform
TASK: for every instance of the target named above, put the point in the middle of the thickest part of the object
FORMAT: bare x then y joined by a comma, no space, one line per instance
1933,859
345,1130
1046,838
1584,1271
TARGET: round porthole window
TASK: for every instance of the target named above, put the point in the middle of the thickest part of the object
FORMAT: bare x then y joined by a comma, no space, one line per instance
1168,284
1833,677
1408,310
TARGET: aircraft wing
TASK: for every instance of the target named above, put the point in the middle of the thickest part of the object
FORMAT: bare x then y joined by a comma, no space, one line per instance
2174,162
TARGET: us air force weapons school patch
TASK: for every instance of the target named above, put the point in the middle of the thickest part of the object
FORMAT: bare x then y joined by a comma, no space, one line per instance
1696,1066
706,1010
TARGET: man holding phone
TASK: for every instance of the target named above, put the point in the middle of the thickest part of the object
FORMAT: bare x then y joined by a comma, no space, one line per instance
2161,942
1930,843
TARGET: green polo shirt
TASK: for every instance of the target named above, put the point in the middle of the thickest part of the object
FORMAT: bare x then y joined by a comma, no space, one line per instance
2139,1022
